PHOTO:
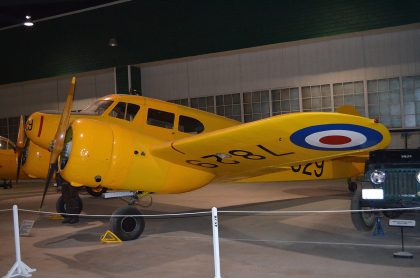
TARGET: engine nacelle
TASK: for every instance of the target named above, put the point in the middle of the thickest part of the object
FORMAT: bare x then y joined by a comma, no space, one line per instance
98,153
35,161
87,154
41,128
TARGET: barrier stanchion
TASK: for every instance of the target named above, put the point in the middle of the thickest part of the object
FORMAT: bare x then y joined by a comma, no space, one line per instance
19,268
216,253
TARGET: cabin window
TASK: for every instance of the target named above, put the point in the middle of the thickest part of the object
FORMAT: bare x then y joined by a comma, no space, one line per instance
97,108
125,111
160,118
190,125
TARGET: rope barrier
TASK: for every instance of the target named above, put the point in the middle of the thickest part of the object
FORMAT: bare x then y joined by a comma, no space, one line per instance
315,211
5,210
21,267
199,213
120,215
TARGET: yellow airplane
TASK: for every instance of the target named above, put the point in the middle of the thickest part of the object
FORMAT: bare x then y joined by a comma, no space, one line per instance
7,161
139,144
10,154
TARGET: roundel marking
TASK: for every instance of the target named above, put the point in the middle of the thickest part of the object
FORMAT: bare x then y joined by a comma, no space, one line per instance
337,137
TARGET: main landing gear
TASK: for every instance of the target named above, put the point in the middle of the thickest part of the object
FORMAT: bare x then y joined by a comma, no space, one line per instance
127,222
96,191
7,184
60,206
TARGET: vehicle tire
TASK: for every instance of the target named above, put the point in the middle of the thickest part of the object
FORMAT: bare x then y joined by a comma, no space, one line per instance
60,206
127,228
96,191
392,214
362,221
352,186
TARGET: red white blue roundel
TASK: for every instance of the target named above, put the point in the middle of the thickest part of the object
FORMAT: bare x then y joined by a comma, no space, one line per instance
336,137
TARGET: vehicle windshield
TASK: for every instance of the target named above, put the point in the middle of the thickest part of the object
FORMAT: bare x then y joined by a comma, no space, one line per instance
97,108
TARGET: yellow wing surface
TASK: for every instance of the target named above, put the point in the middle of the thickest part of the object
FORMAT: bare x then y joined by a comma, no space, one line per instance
274,144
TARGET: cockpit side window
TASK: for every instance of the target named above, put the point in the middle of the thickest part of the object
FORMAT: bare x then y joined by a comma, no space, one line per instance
132,110
160,118
6,144
3,144
125,111
190,125
98,107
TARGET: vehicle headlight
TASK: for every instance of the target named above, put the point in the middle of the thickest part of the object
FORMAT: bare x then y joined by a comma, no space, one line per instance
418,176
377,177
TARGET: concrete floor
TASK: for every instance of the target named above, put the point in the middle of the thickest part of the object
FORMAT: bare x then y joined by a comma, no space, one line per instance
302,245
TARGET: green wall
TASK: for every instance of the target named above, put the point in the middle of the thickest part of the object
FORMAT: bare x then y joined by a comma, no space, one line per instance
151,30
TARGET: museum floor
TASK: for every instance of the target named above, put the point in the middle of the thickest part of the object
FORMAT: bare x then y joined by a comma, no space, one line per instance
286,245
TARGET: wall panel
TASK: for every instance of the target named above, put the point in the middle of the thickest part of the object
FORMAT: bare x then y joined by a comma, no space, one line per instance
41,95
104,83
363,56
169,81
50,94
214,76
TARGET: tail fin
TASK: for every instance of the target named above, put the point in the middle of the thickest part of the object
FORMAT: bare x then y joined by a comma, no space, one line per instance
348,109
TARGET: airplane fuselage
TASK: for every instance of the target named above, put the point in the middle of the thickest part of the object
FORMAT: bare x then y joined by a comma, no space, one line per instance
117,138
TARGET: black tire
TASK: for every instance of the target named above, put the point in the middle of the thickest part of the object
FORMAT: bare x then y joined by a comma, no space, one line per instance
60,206
362,221
352,186
127,228
95,192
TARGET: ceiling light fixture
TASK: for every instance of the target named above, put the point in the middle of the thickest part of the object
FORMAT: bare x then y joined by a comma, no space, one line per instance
28,22
113,42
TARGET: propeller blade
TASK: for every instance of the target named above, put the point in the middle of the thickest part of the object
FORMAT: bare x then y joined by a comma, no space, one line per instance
58,142
51,170
19,163
20,145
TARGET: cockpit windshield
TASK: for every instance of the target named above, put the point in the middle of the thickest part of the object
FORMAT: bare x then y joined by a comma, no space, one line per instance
6,144
97,108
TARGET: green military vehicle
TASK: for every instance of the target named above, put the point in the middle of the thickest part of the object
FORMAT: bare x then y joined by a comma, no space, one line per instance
391,181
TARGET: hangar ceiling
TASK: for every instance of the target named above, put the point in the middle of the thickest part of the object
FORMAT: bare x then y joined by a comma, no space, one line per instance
153,30
13,12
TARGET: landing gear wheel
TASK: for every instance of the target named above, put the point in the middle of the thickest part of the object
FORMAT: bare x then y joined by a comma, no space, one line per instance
7,184
60,206
96,191
127,227
352,185
362,221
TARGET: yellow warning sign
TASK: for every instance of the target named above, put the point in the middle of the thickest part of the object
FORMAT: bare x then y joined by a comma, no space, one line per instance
55,217
110,237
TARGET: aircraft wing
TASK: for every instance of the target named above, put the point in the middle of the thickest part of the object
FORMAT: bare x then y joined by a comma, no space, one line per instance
269,145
